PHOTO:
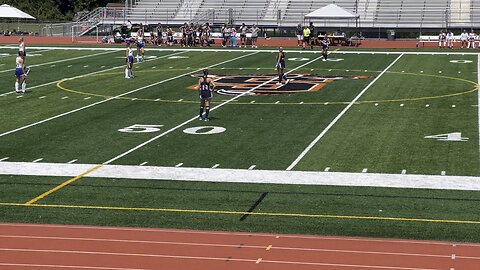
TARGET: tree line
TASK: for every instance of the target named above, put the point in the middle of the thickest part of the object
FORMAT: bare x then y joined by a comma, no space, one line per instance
54,10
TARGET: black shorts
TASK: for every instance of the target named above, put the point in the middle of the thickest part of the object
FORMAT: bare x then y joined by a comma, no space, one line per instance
22,53
306,39
243,35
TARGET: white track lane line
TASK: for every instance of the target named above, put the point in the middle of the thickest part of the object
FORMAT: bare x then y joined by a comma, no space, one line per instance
88,74
235,234
60,61
223,259
90,105
40,266
213,244
213,109
312,144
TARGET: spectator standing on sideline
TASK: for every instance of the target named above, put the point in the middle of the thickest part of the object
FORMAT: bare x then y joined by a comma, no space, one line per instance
312,35
243,35
129,28
306,36
299,33
233,36
159,34
254,30
464,39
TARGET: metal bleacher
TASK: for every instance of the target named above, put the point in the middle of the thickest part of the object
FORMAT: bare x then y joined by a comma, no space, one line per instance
373,13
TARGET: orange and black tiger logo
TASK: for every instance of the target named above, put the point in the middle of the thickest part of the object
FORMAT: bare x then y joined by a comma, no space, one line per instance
264,84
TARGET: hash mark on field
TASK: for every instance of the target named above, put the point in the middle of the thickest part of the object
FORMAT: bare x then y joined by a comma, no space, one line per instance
404,171
143,163
215,166
364,170
327,169
88,98
65,97
443,173
252,167
72,161
5,158
37,160
42,97
69,66
19,96
179,165
85,66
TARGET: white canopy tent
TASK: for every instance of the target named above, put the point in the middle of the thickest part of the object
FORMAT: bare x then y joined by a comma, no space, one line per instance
7,11
333,12
10,12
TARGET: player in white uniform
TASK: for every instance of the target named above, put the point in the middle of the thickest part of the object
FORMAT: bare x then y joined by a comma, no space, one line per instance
129,61
464,39
21,49
140,44
20,74
471,40
450,39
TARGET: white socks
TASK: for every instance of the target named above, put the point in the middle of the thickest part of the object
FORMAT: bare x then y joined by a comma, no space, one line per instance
24,87
126,73
16,86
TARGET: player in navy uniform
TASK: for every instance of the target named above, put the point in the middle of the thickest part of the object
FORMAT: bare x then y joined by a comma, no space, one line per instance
325,47
281,66
205,89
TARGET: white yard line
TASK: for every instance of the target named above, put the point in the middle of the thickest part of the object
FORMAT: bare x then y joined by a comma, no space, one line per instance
446,182
213,109
90,105
60,61
320,136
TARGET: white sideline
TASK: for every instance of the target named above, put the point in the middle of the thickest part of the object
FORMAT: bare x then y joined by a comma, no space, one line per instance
196,117
115,97
244,176
320,136
478,96
88,74
250,50
60,61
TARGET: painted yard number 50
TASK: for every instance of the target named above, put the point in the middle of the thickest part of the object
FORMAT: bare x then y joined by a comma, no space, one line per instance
206,130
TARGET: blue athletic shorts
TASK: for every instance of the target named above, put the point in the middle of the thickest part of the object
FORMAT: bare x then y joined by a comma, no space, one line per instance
19,72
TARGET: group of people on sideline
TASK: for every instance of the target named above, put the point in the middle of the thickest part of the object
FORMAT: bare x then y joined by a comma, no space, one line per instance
446,39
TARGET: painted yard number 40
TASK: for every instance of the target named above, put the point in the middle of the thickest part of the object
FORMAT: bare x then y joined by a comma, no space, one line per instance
205,130
452,137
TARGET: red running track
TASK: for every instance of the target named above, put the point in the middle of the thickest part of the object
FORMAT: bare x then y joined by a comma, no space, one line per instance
44,247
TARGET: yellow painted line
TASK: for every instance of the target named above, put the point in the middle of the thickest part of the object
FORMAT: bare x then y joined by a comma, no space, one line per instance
476,87
199,211
34,200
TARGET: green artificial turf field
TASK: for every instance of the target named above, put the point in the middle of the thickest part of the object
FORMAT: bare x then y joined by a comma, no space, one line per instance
372,113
